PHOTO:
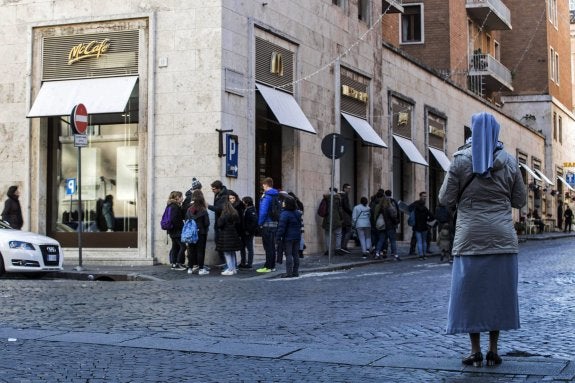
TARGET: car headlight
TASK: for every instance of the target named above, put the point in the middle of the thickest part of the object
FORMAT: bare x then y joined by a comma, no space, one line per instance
21,245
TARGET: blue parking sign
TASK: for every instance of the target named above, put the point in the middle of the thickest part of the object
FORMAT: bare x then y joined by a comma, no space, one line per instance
70,186
231,155
570,178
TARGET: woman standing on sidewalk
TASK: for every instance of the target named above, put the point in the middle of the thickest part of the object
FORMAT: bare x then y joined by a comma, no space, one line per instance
361,223
229,240
484,182
197,251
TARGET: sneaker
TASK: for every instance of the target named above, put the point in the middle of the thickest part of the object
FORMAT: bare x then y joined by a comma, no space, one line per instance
173,266
397,258
228,272
203,272
344,251
263,270
194,269
365,255
180,267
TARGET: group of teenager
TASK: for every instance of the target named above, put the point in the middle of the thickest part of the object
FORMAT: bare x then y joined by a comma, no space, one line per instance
236,224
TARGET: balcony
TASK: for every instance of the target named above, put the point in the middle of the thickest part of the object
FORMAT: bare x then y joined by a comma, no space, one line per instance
395,6
491,14
494,75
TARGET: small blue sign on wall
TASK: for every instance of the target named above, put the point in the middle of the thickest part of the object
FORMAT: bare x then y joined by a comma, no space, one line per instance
570,178
231,155
71,186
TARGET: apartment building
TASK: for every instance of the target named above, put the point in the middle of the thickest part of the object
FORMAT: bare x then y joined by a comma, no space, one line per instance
516,56
228,90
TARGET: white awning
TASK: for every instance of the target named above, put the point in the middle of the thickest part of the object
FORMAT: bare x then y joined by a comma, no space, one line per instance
441,158
285,108
565,183
540,174
410,150
99,95
364,130
535,176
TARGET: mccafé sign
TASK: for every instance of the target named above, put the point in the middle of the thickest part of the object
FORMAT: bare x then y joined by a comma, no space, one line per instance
83,51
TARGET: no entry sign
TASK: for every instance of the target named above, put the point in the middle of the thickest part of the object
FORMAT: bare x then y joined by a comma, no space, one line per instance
79,119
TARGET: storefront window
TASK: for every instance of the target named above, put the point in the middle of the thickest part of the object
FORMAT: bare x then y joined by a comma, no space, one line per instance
109,181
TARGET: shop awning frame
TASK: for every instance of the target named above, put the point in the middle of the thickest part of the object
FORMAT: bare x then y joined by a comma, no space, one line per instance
285,108
441,158
410,150
530,171
565,183
99,95
544,177
364,130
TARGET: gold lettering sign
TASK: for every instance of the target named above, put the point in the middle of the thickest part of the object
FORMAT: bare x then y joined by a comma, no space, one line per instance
353,93
436,131
91,49
569,164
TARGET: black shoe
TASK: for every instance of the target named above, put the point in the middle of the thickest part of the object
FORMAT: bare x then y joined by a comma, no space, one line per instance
493,359
286,276
475,360
295,275
344,251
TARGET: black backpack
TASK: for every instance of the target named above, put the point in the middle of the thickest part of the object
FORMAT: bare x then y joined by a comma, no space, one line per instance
275,208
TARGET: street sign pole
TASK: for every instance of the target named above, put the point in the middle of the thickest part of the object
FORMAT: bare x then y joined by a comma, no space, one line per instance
331,191
79,124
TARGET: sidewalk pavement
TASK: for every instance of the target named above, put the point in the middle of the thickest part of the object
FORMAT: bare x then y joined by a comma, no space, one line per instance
310,263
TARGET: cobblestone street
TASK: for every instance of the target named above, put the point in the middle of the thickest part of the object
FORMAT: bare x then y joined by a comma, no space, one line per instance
381,322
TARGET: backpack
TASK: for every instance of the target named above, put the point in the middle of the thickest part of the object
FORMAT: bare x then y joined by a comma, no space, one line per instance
275,209
380,222
190,231
392,211
250,220
411,218
166,222
322,210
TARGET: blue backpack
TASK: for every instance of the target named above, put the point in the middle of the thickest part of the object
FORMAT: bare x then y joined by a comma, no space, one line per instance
166,222
190,231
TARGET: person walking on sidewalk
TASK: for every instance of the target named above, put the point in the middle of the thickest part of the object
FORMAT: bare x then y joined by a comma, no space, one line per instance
250,226
568,217
337,222
484,182
361,223
422,217
12,212
197,251
289,234
346,215
229,240
268,224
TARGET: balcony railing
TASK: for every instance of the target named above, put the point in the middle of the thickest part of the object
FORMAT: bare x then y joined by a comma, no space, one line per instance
486,65
492,14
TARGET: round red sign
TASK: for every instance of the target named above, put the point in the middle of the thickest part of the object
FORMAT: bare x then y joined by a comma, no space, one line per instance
79,119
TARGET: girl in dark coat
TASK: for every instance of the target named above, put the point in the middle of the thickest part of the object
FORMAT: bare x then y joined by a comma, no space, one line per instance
229,240
240,208
12,212
289,234
177,258
197,251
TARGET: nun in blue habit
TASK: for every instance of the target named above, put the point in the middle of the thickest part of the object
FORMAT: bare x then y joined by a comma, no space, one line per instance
484,183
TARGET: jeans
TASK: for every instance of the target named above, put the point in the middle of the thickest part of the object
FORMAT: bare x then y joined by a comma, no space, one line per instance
292,257
231,261
337,234
197,251
421,238
390,236
364,236
248,250
269,242
345,236
177,252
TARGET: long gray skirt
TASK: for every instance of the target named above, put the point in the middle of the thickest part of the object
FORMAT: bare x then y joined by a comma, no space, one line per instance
483,294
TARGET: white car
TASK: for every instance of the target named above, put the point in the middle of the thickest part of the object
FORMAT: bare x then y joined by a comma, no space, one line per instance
26,252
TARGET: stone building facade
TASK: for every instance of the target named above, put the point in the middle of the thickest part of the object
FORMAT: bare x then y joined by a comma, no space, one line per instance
224,90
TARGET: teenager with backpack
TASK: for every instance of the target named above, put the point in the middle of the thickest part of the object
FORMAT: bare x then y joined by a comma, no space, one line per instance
173,222
250,226
268,221
197,251
289,235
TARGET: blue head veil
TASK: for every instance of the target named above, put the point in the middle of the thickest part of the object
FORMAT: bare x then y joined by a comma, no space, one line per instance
484,140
